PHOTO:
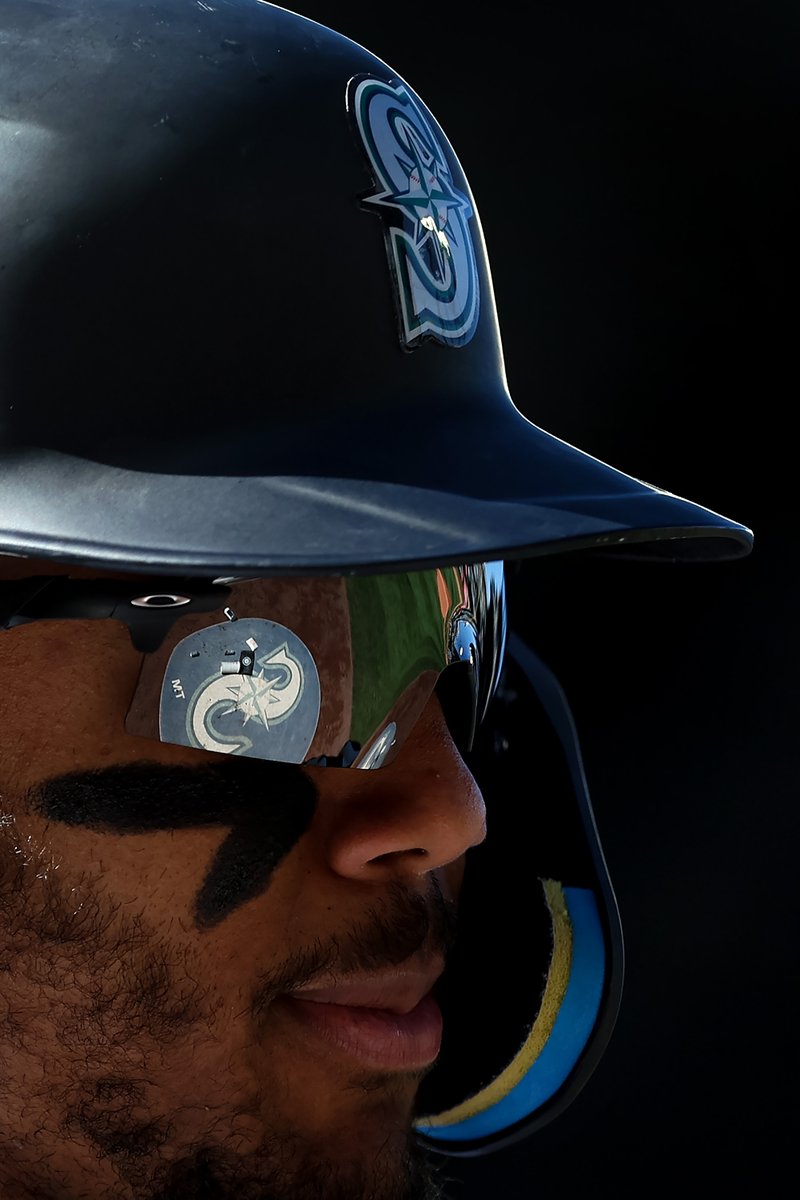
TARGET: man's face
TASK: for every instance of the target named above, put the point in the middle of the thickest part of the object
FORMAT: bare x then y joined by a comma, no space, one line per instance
216,971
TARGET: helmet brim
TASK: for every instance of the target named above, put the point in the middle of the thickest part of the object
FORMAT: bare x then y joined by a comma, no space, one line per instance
500,489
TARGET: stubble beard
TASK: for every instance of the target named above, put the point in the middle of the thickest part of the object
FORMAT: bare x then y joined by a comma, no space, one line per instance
94,1007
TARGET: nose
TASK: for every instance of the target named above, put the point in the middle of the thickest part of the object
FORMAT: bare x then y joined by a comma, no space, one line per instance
422,811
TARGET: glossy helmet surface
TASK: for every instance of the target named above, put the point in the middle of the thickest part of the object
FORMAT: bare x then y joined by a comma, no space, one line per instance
246,328
247,318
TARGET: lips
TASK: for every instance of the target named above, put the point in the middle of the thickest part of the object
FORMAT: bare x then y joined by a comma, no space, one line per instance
390,1022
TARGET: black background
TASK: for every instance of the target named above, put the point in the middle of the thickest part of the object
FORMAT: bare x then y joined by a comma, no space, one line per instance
634,170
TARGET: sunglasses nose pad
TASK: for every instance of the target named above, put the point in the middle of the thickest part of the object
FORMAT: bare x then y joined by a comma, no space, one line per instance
379,749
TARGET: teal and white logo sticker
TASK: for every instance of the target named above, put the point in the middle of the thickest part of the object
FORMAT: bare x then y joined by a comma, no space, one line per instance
428,237
247,686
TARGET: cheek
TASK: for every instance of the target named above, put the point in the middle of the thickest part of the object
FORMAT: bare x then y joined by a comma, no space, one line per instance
59,741
66,690
67,686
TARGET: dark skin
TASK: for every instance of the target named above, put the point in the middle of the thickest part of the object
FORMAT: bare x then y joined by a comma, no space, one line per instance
224,795
150,917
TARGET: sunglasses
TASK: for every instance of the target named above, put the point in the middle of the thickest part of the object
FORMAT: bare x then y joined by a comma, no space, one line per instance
324,671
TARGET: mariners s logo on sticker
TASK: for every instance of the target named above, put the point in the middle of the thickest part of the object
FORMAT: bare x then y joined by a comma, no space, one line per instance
247,686
428,238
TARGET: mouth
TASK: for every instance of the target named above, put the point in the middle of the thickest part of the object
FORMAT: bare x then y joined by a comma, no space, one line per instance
388,1022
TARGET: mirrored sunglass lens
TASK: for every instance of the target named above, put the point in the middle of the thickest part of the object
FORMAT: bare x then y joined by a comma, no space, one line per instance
332,672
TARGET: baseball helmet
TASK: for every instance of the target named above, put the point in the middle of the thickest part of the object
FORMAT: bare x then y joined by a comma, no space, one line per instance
248,333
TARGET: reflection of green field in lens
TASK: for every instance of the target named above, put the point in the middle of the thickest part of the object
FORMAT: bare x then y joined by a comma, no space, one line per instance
398,631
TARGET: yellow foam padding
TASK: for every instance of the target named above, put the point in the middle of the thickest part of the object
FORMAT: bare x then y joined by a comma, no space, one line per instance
558,972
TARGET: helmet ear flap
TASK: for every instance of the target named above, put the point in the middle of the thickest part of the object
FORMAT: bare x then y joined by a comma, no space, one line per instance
533,985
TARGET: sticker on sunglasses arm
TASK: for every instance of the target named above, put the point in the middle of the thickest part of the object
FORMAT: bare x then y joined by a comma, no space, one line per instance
247,686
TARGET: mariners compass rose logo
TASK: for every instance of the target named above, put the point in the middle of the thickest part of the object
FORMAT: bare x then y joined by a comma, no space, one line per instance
426,216
247,686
